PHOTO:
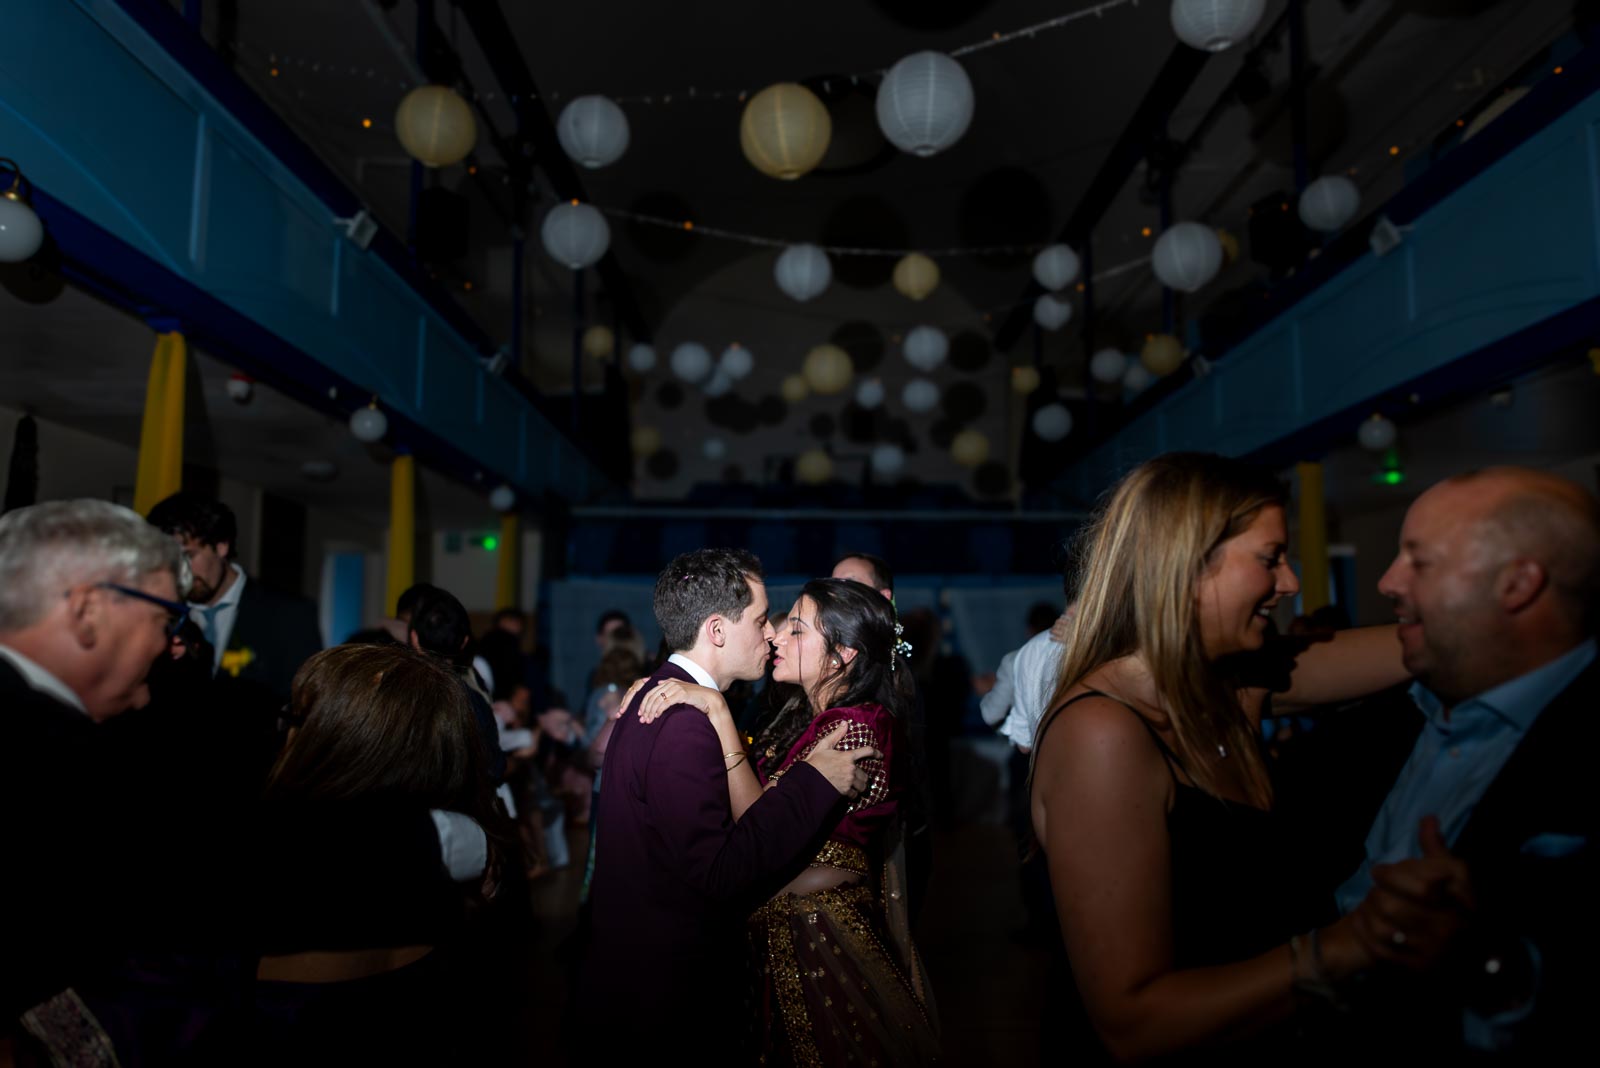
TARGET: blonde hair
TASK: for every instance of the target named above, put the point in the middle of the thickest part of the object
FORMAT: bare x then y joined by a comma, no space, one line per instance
1141,560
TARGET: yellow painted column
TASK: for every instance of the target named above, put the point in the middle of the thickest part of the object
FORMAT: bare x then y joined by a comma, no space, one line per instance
1314,586
508,574
160,472
402,529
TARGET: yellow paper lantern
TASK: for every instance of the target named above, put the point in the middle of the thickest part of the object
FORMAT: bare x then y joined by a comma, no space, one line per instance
794,389
1162,354
916,276
970,448
435,125
813,466
1024,380
785,130
827,369
645,440
1230,247
598,341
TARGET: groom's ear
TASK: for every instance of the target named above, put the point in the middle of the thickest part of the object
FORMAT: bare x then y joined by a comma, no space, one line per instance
714,631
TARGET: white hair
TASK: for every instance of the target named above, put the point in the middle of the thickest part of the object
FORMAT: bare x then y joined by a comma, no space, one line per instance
48,548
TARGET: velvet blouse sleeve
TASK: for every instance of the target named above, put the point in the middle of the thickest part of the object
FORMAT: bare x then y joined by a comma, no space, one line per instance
871,813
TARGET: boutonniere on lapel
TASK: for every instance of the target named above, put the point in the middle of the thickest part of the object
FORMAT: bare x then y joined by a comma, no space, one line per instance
236,660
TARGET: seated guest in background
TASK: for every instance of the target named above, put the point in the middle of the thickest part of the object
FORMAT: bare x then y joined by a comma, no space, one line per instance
353,908
89,595
260,637
1482,859
439,624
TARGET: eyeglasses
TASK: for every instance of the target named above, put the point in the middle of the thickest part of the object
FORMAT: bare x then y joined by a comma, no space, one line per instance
177,611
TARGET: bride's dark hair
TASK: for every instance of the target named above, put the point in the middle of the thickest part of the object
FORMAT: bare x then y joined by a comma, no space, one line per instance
849,616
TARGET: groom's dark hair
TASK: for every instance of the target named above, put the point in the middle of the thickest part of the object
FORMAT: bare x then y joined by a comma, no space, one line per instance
697,585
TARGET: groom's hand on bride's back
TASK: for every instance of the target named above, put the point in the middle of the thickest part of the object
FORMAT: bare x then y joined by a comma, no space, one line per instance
842,767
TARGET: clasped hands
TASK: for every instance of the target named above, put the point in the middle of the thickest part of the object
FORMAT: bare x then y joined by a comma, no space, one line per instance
1418,910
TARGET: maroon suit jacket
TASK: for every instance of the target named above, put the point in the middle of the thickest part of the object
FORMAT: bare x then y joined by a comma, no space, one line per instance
675,878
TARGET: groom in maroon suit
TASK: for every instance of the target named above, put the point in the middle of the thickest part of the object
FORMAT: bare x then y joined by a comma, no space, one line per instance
675,877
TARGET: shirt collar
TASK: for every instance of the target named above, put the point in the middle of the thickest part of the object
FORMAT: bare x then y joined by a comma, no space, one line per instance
700,674
41,680
1520,700
231,598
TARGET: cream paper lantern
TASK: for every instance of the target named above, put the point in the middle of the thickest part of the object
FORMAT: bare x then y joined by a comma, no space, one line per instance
785,130
642,358
737,362
593,131
1329,202
645,440
920,395
1107,366
1186,256
369,424
598,341
970,448
1377,434
1136,379
1162,354
1055,268
887,459
690,361
1214,25
1051,313
1052,422
925,103
827,369
714,449
915,276
925,347
503,498
575,234
803,272
813,467
870,393
435,125
794,389
718,384
1024,380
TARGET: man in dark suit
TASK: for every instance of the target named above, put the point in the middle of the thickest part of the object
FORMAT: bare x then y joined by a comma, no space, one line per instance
675,877
261,637
1481,864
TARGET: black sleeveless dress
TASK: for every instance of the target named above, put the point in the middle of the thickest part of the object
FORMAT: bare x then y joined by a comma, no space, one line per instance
1239,888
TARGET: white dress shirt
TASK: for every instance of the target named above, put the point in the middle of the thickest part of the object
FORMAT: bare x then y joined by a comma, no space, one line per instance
996,704
223,614
1034,677
40,679
700,674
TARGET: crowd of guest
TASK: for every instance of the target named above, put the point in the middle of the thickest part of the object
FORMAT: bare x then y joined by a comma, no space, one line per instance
229,845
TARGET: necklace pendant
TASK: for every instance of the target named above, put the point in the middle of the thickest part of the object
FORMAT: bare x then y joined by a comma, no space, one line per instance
1222,751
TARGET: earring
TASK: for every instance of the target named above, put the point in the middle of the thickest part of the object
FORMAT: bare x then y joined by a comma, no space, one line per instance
835,661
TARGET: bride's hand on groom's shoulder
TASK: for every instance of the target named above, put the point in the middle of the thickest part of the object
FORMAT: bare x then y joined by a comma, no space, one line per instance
669,692
627,698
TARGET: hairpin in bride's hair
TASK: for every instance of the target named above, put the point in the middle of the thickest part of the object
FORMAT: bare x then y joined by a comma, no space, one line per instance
901,647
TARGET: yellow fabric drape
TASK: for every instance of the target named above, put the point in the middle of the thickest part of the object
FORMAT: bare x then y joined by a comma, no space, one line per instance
1314,587
160,472
508,574
402,529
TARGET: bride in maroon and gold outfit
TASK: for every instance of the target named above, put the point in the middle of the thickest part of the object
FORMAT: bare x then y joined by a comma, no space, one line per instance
842,982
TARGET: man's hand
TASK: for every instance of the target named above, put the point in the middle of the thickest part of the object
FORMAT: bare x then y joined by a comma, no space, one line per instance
1062,627
842,767
1418,909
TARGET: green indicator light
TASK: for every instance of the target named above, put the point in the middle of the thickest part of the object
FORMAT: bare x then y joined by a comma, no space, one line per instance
490,542
1394,478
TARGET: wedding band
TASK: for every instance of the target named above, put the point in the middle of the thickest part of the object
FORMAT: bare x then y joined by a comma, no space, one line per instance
1398,938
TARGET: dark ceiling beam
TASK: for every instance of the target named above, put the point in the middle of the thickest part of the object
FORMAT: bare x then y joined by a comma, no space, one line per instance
1149,121
499,47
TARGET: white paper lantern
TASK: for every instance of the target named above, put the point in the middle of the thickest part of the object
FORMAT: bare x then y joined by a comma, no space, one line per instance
1162,354
794,389
593,131
1107,365
888,459
916,275
1213,25
813,466
827,369
920,395
369,424
925,347
1377,434
598,341
1056,267
714,449
690,361
435,125
737,362
1051,313
718,384
1052,422
644,440
1329,202
869,394
925,103
21,232
642,358
784,130
1186,256
1025,379
969,448
575,234
1136,379
503,498
803,272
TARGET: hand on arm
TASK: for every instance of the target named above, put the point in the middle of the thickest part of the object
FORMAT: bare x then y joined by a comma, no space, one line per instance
1352,664
842,767
743,786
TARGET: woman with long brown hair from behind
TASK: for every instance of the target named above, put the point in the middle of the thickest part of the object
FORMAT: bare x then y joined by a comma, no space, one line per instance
1183,920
